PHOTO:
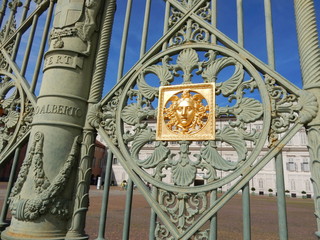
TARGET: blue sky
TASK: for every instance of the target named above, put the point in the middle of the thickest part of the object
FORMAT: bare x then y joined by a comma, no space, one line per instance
286,48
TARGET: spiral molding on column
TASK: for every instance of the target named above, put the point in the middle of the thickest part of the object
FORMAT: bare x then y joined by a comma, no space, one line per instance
308,43
102,55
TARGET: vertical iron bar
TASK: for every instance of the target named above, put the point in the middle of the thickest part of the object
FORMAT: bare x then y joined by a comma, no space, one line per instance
281,198
42,47
269,33
246,212
145,28
124,40
29,45
153,216
166,23
19,34
214,19
245,190
281,202
214,220
213,196
13,10
127,213
3,11
105,198
240,22
5,206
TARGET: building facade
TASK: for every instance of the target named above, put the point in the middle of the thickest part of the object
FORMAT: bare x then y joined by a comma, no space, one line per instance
295,163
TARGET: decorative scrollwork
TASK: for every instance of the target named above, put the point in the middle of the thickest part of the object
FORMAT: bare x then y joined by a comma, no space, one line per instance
187,3
288,108
191,31
162,233
26,119
7,31
138,111
182,208
11,110
108,121
205,12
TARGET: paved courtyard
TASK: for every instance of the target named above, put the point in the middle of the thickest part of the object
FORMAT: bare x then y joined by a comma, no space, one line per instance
301,220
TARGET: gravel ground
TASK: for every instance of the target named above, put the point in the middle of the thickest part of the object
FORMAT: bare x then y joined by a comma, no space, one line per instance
264,226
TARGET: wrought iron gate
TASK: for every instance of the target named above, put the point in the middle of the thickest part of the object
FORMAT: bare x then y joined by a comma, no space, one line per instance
190,55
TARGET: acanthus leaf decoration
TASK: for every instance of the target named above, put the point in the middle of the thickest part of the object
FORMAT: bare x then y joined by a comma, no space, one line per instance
134,113
248,110
232,137
8,29
307,106
210,154
183,175
13,111
26,119
187,61
147,91
131,114
162,72
94,115
159,154
108,116
183,169
229,86
187,3
11,119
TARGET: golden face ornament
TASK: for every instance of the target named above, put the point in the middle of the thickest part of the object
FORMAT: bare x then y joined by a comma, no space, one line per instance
186,112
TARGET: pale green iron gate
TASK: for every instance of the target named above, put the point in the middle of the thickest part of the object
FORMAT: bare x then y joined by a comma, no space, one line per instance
190,54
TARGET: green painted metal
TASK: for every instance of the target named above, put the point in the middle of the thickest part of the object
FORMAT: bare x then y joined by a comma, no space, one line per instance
70,109
309,49
133,84
281,201
104,206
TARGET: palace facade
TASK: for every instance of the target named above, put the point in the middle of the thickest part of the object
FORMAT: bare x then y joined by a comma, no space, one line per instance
296,165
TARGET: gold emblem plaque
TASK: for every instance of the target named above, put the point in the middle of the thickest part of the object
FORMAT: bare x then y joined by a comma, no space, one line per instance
186,112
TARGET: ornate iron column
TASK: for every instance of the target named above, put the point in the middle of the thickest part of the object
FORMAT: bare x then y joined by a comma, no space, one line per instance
42,200
310,67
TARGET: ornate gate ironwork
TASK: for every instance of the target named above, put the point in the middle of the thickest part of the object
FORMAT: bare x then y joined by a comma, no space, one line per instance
191,51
